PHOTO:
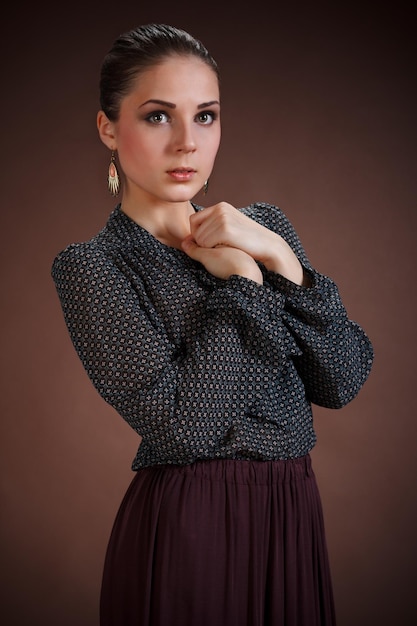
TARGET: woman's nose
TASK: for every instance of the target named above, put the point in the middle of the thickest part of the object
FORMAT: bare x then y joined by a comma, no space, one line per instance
184,139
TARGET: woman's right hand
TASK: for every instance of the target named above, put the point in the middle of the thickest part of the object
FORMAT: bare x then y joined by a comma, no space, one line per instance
223,261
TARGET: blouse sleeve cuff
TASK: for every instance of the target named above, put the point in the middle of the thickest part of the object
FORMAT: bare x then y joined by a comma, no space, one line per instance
319,301
259,307
247,295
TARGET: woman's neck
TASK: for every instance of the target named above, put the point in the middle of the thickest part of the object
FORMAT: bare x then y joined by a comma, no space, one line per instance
169,222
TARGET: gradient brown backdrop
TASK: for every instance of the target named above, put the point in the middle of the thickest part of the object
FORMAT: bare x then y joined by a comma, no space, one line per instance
319,111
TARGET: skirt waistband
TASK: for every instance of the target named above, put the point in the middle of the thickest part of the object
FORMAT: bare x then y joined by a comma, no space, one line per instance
239,471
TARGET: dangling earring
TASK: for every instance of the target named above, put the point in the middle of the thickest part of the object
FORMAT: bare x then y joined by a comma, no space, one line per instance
205,186
113,179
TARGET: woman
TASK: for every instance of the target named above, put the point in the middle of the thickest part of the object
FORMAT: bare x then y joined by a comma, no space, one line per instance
210,332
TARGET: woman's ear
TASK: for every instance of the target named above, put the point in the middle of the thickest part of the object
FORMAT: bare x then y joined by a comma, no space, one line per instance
106,130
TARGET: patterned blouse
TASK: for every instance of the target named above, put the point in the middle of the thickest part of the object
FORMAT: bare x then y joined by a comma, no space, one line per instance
205,368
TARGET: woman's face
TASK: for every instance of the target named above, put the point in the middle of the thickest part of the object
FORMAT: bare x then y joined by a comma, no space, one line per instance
168,131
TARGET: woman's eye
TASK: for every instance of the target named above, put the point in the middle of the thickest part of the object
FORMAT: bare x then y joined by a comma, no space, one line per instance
157,117
206,117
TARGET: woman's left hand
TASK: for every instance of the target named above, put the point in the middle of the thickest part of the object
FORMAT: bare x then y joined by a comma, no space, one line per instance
223,224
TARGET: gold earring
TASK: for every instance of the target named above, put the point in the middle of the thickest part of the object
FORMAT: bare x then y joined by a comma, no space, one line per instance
205,186
113,179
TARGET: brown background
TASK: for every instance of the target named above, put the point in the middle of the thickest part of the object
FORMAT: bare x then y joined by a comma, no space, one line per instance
319,109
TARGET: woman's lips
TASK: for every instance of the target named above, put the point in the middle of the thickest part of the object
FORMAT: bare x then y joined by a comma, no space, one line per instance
182,174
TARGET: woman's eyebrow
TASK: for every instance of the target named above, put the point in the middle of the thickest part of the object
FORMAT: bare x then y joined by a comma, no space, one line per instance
207,104
171,105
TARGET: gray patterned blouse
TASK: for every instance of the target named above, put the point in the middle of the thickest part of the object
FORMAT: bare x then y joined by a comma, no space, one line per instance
204,368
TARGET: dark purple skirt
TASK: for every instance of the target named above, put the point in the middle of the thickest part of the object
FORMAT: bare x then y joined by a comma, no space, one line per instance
219,543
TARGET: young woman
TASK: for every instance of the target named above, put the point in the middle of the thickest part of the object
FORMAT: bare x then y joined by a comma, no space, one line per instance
210,332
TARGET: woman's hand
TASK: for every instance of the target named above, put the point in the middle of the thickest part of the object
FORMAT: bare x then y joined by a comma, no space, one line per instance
223,224
223,261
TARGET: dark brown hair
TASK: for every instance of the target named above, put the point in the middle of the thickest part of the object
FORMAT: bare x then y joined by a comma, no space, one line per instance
136,51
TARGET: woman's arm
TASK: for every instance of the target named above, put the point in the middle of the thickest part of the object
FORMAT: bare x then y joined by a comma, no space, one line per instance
336,355
171,395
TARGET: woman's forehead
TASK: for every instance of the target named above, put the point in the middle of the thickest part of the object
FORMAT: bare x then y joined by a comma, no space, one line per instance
176,76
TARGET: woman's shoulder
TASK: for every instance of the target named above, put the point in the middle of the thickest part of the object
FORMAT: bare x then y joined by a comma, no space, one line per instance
87,256
271,216
80,253
100,248
264,211
274,218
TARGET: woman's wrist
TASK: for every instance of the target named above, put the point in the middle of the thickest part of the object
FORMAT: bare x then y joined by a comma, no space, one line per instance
281,259
249,270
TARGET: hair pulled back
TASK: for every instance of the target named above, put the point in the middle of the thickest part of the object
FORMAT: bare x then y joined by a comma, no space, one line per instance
136,51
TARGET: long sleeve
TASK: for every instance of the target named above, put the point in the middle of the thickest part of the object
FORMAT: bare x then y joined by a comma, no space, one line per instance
201,367
184,397
336,354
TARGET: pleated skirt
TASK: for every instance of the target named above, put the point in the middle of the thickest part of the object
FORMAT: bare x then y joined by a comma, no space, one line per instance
219,543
